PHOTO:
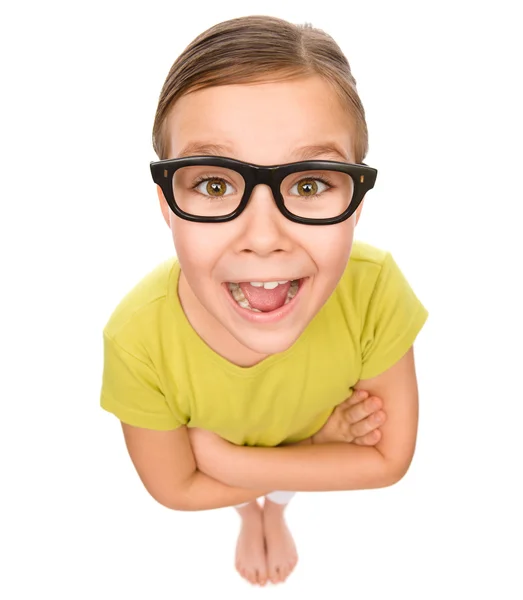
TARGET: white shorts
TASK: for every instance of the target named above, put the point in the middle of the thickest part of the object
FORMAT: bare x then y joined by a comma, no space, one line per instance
276,497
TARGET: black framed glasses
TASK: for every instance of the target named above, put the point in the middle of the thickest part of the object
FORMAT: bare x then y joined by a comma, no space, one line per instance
215,189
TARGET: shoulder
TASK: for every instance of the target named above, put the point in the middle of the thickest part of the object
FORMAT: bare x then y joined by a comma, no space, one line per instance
142,300
373,287
363,254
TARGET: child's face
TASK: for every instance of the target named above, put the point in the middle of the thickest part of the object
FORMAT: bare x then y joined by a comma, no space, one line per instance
264,124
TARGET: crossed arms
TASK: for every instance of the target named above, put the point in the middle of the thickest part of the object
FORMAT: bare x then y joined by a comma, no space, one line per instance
192,469
325,467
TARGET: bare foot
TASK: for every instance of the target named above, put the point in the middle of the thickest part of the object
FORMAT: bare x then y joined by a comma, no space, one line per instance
251,561
281,550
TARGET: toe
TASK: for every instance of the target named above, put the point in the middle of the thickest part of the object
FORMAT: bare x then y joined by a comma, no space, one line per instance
285,573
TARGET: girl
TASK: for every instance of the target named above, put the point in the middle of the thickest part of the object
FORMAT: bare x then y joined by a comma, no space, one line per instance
224,364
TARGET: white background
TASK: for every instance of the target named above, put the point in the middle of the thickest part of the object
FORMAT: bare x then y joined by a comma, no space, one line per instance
81,224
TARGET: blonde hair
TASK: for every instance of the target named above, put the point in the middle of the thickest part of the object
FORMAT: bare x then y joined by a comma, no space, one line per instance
257,49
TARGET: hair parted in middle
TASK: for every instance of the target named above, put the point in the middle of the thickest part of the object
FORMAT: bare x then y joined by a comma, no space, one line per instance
258,49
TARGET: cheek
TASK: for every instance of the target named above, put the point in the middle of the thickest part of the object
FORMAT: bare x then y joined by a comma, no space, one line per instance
332,245
198,245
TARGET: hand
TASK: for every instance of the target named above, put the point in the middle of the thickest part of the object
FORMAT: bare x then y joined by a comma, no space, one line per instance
209,449
356,420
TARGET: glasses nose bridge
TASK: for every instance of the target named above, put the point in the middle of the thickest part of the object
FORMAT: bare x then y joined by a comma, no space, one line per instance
266,176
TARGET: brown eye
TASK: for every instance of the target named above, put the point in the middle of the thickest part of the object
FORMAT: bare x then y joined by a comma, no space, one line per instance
215,187
309,187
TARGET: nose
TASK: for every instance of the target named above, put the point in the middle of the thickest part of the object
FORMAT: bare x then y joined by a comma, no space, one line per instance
264,228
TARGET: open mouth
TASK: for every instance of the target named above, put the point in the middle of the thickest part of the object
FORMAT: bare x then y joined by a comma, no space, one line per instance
264,297
265,308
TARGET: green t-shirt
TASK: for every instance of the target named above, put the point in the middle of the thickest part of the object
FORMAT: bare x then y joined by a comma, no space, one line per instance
159,374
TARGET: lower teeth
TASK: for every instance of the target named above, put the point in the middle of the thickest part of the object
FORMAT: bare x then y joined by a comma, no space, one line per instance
240,298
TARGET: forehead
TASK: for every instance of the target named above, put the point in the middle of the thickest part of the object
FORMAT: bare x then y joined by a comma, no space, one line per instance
264,122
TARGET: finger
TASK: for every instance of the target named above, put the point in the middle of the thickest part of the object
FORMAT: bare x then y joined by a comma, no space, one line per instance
355,397
369,424
369,439
363,409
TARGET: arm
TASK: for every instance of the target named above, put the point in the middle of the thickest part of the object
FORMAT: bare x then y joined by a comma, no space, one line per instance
166,466
333,466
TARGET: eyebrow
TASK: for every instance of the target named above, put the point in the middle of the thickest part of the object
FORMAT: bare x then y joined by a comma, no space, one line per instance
330,150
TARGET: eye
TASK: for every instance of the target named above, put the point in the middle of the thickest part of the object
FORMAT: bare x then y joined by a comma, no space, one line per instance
309,186
213,186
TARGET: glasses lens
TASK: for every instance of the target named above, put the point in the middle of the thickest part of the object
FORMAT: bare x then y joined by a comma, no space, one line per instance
321,194
207,191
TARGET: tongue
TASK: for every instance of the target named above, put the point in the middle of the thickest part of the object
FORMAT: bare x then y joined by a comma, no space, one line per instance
265,300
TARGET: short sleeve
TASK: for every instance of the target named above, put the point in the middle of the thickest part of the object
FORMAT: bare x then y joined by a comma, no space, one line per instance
131,390
394,318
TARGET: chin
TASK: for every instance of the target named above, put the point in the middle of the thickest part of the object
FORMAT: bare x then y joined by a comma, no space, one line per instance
270,343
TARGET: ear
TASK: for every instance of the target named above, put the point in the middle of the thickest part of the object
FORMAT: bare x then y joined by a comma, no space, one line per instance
358,212
164,206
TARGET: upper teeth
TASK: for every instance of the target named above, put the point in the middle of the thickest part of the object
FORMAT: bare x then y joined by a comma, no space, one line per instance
268,285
